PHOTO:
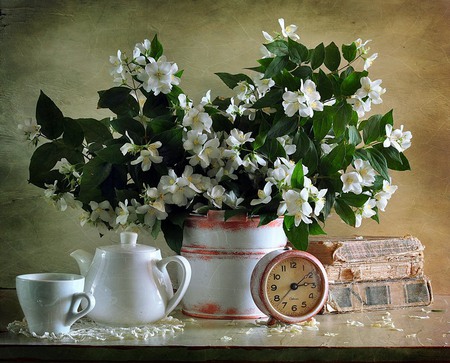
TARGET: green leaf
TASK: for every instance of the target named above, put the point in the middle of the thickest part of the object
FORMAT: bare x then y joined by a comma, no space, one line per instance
269,99
378,162
264,128
172,145
342,118
303,72
156,229
322,123
306,150
125,124
276,66
332,57
156,48
352,83
373,129
173,235
395,160
155,106
324,86
355,200
349,52
49,117
112,154
298,53
338,159
387,119
44,159
354,137
230,213
298,236
288,222
95,172
284,126
94,130
345,212
161,124
119,101
232,80
73,133
315,229
265,218
297,177
318,56
272,149
278,47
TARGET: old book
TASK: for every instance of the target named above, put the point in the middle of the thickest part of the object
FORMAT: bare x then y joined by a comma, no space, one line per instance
392,267
377,295
337,249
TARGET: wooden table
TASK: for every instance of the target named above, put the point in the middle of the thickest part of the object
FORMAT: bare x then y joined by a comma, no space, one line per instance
419,335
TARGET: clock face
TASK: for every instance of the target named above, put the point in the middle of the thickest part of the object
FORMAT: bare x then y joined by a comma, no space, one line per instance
295,287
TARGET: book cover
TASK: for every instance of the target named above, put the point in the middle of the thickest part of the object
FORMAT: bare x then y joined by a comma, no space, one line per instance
377,295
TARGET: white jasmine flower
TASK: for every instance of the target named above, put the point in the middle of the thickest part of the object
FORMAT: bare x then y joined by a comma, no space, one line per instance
232,200
359,105
151,214
148,156
305,100
159,76
142,50
297,205
369,61
185,103
238,138
206,99
371,89
366,172
122,213
100,210
268,37
252,161
197,119
234,110
286,142
398,139
66,168
360,45
352,182
216,195
288,31
194,141
365,212
318,197
117,64
245,92
209,151
263,195
263,85
31,129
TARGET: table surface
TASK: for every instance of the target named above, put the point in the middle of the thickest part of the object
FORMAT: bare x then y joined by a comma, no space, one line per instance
412,334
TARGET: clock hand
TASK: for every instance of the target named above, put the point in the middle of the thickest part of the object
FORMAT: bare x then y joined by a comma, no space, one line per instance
294,286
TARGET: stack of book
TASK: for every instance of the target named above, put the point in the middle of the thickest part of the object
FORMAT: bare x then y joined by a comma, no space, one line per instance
372,273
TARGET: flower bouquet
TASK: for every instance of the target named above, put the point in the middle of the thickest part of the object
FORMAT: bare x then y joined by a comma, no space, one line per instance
292,141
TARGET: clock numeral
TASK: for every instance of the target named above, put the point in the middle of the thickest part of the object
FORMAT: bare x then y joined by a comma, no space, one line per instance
276,298
303,304
310,275
294,308
311,296
283,268
276,276
273,287
313,285
284,303
293,264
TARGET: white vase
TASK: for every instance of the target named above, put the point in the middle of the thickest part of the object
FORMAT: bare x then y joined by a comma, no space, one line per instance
222,255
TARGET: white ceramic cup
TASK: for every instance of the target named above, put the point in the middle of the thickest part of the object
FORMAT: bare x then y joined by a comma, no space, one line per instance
50,301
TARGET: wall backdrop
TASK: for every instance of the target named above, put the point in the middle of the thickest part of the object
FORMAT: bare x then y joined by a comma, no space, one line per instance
63,48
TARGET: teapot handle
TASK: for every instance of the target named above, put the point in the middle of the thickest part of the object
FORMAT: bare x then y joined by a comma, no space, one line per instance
185,268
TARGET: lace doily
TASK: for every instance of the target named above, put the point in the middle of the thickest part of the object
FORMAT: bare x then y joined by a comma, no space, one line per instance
86,329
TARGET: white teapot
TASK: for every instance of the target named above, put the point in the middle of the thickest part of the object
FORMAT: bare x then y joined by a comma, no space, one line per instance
130,282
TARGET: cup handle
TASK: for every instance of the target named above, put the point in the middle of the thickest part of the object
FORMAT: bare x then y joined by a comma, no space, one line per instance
185,267
74,314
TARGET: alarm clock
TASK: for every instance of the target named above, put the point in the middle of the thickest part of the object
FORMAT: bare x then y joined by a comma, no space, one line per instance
289,286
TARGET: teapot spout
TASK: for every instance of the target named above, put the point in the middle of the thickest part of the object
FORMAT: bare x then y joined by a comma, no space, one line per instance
84,260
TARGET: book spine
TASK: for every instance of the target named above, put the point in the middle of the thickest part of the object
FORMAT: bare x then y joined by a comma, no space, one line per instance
388,269
361,249
377,295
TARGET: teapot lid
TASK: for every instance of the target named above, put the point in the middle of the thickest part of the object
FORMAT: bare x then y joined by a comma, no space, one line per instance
128,244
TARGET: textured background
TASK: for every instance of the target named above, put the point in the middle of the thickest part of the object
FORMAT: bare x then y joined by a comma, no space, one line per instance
63,47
